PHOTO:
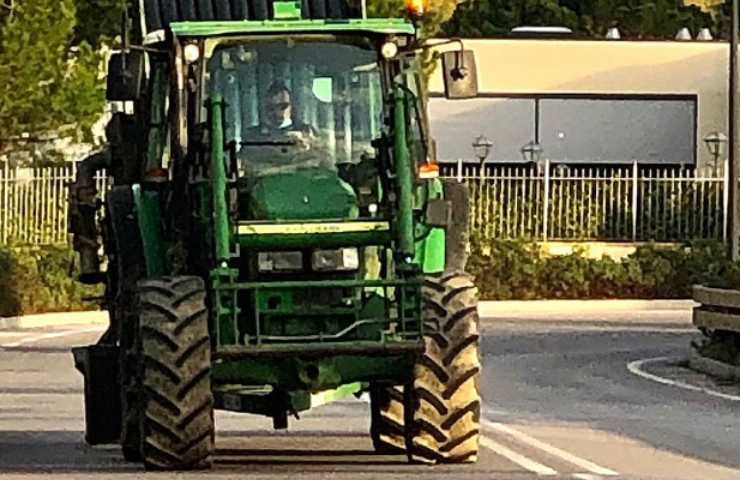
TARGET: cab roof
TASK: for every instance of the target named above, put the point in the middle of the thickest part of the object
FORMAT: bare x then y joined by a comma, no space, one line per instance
388,26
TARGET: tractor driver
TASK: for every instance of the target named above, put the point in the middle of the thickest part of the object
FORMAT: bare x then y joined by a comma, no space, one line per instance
279,140
277,117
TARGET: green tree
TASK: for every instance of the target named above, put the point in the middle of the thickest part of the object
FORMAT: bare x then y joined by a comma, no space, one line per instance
638,19
48,85
98,21
439,12
480,18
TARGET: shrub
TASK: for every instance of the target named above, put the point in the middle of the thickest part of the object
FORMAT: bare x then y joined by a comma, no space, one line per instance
41,279
508,267
514,269
10,303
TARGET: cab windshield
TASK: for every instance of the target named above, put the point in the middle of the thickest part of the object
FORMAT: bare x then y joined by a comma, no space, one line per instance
297,102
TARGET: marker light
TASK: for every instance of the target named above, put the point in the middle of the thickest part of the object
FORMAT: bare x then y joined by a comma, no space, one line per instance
191,53
389,50
429,170
417,8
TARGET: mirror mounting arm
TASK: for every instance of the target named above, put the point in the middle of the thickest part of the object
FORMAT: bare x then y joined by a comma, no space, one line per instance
426,44
143,48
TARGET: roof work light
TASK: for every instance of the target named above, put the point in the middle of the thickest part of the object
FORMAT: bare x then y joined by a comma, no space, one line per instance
417,8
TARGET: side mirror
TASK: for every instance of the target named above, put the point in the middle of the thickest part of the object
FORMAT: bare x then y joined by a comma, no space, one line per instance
460,74
125,76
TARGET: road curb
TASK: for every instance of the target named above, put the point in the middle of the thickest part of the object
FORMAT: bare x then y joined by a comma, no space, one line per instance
53,320
715,368
502,308
547,307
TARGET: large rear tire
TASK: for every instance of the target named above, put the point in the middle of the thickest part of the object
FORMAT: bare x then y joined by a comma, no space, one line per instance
177,413
125,254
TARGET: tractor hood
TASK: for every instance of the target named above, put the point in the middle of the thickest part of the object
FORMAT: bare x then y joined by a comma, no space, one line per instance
305,194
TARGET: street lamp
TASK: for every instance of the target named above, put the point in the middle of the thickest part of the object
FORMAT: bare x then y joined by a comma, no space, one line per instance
715,142
561,170
482,148
532,152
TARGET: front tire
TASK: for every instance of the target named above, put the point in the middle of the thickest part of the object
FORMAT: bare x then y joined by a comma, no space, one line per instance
443,423
177,415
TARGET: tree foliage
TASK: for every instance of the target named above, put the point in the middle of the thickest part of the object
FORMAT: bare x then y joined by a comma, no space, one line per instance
439,12
48,85
637,19
98,21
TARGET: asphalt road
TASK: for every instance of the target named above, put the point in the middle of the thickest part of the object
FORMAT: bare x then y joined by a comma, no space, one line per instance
559,403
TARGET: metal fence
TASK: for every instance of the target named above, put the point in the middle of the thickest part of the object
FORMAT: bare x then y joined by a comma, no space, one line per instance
33,204
610,203
631,203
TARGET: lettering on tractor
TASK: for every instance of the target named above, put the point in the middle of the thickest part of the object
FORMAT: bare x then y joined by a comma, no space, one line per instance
276,236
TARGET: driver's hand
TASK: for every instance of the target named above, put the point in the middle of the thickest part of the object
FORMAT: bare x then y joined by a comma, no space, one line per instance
303,140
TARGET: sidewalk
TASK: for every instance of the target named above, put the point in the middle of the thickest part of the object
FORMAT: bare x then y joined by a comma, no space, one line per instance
556,310
668,311
53,320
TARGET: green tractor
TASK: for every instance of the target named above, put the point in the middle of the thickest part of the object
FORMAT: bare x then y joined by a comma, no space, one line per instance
275,236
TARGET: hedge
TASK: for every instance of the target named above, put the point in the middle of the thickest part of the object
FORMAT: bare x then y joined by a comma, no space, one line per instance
520,270
38,280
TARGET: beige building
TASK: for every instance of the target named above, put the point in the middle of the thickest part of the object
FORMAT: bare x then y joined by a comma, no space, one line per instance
588,101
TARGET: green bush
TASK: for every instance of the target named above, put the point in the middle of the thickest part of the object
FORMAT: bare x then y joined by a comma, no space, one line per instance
513,269
37,280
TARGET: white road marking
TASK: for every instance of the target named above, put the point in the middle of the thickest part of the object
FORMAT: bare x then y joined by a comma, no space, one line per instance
47,336
634,367
517,458
547,448
587,476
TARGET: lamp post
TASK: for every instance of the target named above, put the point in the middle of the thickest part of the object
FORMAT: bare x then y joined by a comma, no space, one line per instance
733,142
532,152
482,148
715,143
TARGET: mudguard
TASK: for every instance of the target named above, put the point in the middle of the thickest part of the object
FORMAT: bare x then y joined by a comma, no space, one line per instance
99,365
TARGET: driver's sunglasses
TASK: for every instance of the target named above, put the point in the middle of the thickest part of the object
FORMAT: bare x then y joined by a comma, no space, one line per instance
278,106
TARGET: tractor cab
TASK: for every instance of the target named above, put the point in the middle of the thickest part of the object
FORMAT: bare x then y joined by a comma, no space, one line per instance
301,112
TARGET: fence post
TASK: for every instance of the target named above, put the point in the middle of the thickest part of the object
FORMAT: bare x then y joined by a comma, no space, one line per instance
6,198
634,200
546,200
459,170
725,198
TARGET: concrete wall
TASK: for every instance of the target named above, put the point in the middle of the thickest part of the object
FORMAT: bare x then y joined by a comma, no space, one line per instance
525,66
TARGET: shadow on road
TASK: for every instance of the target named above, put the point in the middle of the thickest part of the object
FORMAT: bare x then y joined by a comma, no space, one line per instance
64,452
